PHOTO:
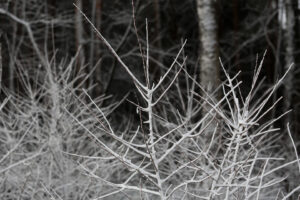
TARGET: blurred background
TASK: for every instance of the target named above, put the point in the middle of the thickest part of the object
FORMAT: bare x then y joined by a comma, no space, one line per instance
33,32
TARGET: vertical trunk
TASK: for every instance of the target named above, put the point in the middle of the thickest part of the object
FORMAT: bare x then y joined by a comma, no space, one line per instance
92,44
0,67
98,19
235,27
287,24
157,44
12,53
79,34
157,22
98,13
209,65
208,45
276,48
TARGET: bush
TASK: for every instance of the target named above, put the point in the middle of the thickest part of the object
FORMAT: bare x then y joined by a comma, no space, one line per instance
59,143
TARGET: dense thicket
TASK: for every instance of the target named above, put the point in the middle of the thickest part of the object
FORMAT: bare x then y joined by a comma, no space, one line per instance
117,99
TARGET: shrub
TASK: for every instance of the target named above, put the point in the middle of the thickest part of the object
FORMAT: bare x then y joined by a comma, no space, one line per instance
58,142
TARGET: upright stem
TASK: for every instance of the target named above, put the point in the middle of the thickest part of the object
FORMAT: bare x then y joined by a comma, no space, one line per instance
151,136
288,34
79,34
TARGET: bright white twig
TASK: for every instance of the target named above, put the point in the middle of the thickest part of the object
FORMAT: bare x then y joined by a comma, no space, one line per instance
295,148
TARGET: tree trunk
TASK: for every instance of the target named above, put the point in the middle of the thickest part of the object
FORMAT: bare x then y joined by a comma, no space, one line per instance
12,53
95,49
99,88
287,24
0,67
208,52
157,44
236,31
79,34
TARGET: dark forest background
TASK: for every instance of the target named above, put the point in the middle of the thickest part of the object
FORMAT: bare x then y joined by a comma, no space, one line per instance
245,30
